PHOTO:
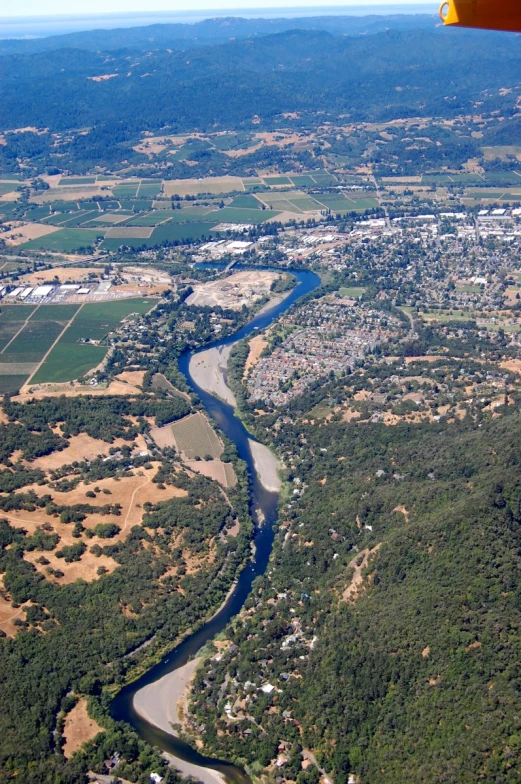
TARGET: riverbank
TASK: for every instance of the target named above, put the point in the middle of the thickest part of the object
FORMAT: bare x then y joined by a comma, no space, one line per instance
264,501
158,704
206,775
209,370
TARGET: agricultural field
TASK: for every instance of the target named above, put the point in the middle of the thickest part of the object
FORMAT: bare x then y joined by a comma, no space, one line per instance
495,194
7,187
195,438
246,201
86,214
71,358
356,201
65,240
240,215
194,187
168,232
503,152
26,334
351,292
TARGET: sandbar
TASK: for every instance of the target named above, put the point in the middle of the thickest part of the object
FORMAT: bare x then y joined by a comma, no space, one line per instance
157,703
209,368
266,465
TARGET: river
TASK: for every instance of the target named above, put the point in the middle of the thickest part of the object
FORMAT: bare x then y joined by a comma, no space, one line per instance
123,708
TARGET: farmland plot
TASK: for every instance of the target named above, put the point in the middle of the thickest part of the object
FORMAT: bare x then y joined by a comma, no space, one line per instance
195,437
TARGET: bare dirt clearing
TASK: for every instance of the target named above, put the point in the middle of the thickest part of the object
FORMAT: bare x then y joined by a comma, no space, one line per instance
63,274
257,346
214,469
79,728
86,569
8,613
71,389
132,377
69,194
82,447
193,187
31,231
241,288
513,365
163,436
402,510
358,564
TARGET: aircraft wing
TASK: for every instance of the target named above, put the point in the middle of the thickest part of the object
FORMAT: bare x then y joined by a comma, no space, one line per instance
484,14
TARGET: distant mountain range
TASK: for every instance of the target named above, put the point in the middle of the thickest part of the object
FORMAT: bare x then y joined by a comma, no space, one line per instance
219,30
52,25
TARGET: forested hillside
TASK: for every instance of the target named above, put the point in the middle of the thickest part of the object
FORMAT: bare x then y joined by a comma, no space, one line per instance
410,674
375,77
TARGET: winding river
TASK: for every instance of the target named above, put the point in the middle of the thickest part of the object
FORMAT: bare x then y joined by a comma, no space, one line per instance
263,500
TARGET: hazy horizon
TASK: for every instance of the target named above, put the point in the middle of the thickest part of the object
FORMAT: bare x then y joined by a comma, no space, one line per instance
40,26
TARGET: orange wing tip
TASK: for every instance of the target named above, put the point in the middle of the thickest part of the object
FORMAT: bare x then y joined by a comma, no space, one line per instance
483,14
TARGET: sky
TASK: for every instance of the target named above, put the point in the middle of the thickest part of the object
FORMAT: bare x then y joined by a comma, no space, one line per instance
34,8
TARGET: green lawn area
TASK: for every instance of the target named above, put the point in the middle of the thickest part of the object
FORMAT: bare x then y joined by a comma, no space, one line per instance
278,203
251,182
246,200
361,205
277,181
77,181
65,240
300,180
55,313
125,191
8,330
498,194
71,359
33,342
10,384
16,312
153,218
134,205
306,204
7,208
354,201
446,316
353,291
238,215
150,189
7,187
168,232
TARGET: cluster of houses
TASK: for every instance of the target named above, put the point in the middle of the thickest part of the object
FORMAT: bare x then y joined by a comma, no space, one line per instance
330,338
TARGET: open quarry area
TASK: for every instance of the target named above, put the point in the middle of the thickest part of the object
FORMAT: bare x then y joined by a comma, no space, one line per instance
233,292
